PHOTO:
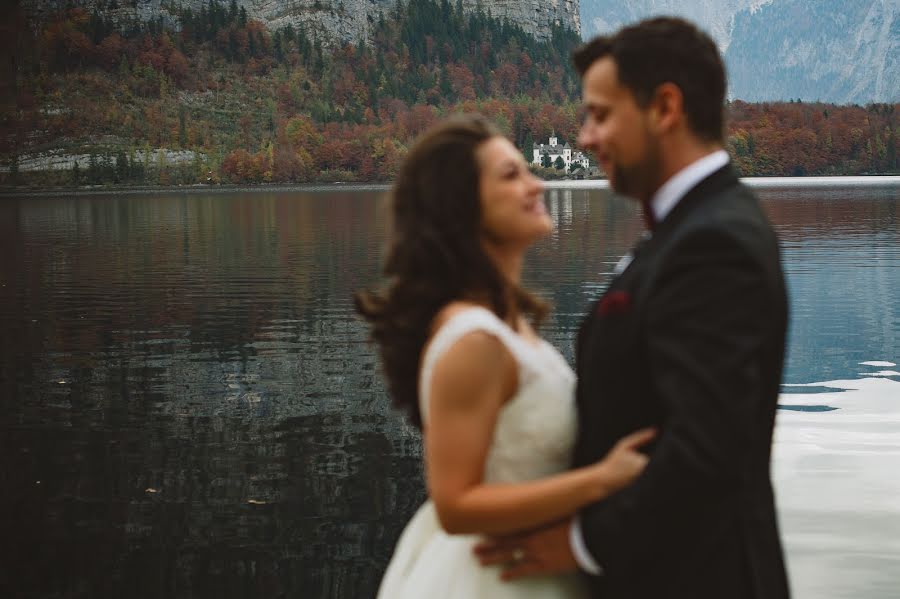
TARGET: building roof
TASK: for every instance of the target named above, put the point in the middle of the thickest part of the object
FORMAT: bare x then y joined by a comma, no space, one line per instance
564,146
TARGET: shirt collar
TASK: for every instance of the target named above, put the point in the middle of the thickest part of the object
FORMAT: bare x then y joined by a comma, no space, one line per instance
671,192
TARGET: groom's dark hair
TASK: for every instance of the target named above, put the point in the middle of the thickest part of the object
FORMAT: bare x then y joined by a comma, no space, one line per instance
667,50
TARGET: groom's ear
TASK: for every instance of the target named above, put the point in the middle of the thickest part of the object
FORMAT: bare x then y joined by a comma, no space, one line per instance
667,108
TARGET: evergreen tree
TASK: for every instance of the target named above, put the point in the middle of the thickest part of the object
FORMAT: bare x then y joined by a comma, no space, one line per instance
201,25
93,172
318,64
107,169
303,46
528,147
14,169
122,168
147,156
232,53
135,167
277,50
445,87
215,20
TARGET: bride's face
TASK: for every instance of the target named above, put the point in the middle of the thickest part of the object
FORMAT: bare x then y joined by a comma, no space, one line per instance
512,199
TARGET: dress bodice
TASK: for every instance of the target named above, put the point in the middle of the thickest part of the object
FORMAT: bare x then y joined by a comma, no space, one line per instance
533,438
535,430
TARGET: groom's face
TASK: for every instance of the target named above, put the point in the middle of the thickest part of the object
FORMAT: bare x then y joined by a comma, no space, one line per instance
618,132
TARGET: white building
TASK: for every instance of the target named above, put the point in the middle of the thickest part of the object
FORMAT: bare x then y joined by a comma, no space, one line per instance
553,150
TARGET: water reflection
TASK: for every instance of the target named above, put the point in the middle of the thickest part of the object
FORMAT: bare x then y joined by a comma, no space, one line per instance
191,408
842,257
835,473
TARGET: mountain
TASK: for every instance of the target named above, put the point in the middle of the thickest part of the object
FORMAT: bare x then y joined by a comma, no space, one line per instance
842,51
833,50
336,21
715,16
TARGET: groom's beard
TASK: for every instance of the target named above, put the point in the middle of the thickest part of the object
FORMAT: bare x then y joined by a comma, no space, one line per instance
640,180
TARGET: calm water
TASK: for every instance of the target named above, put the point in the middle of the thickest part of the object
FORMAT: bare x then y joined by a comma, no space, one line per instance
190,408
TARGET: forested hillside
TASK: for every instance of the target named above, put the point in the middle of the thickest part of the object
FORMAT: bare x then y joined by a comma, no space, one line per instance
798,139
216,97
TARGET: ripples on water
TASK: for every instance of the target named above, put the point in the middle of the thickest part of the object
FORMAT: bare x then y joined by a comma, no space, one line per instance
192,410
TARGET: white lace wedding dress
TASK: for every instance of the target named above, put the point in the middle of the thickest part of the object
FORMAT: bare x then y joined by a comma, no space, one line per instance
533,439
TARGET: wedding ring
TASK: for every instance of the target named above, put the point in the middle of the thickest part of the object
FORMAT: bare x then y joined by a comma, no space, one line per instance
518,555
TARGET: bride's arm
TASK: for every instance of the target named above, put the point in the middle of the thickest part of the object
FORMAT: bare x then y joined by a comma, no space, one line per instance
469,386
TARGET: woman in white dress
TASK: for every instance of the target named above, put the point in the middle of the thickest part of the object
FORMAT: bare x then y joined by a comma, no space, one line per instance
495,403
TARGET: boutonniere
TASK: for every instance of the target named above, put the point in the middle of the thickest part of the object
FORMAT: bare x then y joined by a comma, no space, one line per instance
614,302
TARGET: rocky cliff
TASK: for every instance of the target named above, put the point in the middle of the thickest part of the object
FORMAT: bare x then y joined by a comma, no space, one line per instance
335,20
831,50
843,51
715,16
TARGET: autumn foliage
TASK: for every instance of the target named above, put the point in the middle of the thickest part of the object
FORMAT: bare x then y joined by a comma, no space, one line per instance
797,138
281,106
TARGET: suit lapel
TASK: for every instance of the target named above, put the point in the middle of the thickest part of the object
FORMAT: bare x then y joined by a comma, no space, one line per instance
721,179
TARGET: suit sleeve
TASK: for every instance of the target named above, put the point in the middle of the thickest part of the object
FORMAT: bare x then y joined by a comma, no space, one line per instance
707,317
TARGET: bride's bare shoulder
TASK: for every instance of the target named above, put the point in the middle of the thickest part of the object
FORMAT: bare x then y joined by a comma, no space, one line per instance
450,310
475,365
475,342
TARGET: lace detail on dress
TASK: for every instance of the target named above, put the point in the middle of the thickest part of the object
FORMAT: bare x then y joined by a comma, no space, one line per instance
535,430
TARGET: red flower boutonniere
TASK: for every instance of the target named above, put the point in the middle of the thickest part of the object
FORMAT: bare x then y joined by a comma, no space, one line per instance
614,302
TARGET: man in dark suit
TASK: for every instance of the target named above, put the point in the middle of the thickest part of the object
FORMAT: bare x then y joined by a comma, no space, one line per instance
688,338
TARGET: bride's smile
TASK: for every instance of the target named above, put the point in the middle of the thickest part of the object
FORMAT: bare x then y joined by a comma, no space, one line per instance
512,198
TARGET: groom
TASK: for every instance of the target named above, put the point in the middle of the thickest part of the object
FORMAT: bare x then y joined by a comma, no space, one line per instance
689,338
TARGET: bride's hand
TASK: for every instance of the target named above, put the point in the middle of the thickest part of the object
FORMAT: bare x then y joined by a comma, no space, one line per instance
624,462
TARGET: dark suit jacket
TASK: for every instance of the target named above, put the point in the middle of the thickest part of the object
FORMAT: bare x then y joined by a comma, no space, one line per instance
690,339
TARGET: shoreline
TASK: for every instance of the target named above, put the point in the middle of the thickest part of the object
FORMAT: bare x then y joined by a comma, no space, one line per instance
868,181
811,182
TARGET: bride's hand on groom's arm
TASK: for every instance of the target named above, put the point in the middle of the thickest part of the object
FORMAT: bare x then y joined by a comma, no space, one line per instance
548,550
540,552
625,461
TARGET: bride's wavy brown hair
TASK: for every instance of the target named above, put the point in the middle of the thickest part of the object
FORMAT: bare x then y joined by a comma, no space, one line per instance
435,254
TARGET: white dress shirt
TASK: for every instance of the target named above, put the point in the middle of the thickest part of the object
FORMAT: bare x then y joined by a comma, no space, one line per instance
662,202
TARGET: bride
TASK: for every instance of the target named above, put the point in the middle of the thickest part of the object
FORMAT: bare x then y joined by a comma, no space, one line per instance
495,402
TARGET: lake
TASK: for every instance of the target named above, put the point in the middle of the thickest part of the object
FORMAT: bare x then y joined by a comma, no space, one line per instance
191,408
